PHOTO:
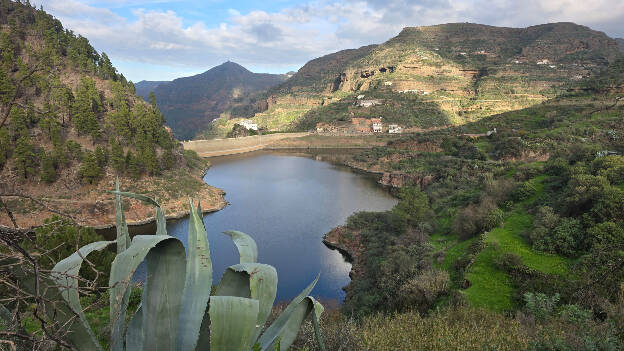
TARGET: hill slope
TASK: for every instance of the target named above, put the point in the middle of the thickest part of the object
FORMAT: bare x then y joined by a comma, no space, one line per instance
620,43
191,103
144,87
70,123
456,73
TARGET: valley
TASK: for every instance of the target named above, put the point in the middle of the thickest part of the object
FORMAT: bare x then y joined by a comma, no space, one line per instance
457,186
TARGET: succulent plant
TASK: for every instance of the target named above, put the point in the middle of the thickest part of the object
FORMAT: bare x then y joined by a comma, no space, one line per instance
177,310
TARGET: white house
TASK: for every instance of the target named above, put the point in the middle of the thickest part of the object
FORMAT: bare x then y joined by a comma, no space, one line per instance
369,103
377,125
395,129
249,125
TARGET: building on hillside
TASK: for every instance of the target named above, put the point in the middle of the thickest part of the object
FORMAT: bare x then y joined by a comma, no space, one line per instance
395,129
543,62
387,84
249,125
369,103
361,125
322,127
360,97
377,125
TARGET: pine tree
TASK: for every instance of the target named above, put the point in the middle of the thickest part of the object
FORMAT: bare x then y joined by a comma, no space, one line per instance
168,159
101,155
117,157
48,169
25,159
132,165
89,170
6,87
60,156
85,106
5,145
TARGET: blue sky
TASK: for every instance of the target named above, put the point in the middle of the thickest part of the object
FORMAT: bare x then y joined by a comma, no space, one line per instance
166,39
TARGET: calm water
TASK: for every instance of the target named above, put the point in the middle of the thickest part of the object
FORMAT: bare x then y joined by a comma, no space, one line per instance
287,202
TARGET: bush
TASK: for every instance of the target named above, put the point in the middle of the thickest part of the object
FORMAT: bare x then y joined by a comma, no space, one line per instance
494,218
540,305
508,261
524,191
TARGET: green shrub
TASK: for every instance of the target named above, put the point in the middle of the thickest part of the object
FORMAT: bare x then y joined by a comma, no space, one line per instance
524,191
540,305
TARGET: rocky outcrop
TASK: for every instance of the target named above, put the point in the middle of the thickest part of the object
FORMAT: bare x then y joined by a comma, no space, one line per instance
349,244
399,179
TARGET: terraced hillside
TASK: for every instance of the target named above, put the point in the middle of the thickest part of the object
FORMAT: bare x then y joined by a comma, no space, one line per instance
435,76
533,208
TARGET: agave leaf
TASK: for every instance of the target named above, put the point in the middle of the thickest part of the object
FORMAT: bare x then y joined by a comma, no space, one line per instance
282,323
161,221
247,248
161,299
65,276
122,269
255,280
197,284
316,316
134,335
290,329
200,212
232,323
123,237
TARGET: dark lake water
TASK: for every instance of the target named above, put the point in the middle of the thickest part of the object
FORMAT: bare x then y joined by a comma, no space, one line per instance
287,202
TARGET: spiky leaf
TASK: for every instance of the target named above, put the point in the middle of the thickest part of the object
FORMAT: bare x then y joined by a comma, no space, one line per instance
255,280
197,284
161,299
135,336
283,324
232,323
122,269
65,276
123,237
247,248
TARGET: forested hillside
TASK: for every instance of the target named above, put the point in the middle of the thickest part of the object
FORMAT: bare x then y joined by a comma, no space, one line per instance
70,122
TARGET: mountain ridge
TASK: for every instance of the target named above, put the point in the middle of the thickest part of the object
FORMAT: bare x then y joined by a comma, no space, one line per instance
191,103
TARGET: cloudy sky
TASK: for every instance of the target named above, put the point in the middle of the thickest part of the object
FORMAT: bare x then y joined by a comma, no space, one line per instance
166,39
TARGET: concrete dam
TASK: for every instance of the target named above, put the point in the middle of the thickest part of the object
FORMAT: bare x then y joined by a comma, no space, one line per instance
231,146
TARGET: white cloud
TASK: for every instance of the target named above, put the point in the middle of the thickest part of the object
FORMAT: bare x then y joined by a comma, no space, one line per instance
293,35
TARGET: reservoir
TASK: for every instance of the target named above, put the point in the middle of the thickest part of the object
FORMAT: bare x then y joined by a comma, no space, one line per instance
287,202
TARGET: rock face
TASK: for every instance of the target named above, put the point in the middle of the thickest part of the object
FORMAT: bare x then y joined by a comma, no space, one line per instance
399,179
189,104
350,246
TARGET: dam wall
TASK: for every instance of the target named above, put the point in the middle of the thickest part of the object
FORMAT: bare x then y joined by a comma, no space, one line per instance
231,146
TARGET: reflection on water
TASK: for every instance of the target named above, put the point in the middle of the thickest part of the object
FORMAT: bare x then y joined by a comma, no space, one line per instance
287,202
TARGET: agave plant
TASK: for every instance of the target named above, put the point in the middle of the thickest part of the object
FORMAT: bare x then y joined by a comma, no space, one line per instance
177,310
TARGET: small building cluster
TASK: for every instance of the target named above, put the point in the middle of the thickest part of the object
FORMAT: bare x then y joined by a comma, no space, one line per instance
369,102
359,125
249,125
414,91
